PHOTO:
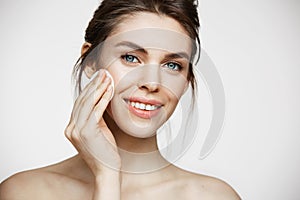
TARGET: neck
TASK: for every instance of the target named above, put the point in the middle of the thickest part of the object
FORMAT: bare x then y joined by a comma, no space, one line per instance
139,155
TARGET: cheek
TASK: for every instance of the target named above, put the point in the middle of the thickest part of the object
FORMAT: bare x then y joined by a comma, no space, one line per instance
173,100
175,85
119,73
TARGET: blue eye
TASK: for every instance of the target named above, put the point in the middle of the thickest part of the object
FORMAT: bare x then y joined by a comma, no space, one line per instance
130,58
174,66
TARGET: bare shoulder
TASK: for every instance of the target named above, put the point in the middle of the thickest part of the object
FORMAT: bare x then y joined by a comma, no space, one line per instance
210,188
214,188
24,185
50,182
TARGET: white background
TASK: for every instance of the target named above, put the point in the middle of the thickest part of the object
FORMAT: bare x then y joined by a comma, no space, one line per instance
255,46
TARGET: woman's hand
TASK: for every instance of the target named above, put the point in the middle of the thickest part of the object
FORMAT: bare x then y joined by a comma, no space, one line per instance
87,129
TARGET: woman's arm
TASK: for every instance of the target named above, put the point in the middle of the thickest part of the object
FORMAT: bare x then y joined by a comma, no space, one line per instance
89,134
107,186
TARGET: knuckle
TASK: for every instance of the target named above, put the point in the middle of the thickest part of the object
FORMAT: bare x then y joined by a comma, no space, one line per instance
68,131
74,137
78,135
73,134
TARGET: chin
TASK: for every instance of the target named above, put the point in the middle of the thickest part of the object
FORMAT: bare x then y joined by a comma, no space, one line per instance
138,132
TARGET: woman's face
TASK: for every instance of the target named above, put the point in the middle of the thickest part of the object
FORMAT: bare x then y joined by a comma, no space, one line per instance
148,57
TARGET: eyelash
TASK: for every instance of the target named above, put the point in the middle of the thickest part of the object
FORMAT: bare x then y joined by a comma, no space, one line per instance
126,56
178,66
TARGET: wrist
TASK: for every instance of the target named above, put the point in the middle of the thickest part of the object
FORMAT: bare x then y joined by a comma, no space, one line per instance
107,184
107,174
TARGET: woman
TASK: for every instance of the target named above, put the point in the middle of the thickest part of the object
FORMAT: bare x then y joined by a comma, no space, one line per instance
147,47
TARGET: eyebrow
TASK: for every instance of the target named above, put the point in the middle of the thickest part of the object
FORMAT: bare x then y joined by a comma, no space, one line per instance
142,50
178,55
132,46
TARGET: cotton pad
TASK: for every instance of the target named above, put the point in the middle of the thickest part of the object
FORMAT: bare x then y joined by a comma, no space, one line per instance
85,81
112,83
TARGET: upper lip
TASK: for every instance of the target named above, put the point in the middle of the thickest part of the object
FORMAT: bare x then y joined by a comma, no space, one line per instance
144,101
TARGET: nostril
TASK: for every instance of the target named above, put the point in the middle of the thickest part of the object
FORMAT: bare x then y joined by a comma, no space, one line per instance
151,87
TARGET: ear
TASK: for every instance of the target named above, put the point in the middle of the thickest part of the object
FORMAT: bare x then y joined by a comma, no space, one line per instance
89,68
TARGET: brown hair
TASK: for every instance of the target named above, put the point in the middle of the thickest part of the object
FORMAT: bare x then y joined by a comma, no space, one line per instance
111,12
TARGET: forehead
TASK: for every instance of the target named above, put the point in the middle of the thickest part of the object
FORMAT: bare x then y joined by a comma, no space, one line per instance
154,31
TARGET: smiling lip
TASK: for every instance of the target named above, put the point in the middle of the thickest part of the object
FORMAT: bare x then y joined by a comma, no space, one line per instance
143,108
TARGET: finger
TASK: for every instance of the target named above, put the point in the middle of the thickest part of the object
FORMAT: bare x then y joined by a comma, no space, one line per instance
80,112
102,104
88,104
92,86
96,116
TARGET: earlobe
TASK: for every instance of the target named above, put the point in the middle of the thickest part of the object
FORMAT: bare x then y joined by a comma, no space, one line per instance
89,68
85,47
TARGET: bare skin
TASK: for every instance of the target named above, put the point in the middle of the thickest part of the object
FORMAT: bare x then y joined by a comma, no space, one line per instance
72,179
98,137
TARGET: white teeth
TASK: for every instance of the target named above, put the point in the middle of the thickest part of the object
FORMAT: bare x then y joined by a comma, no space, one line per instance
137,105
143,106
148,107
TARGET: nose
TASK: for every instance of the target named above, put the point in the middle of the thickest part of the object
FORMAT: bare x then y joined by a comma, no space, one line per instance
151,79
